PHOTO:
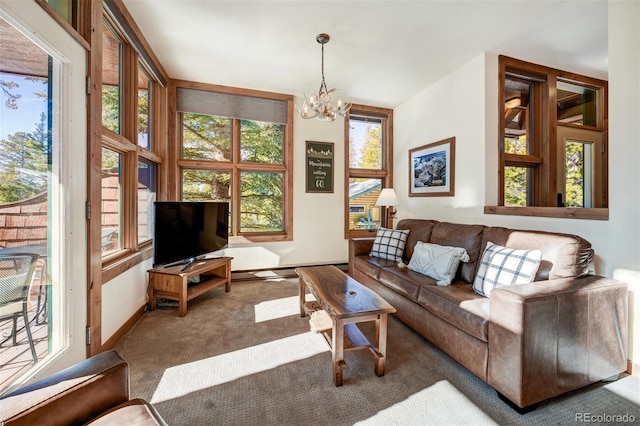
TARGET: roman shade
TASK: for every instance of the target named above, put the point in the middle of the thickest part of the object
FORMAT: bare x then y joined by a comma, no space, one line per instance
232,105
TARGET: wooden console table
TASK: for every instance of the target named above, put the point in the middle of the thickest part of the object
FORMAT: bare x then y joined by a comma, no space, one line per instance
173,282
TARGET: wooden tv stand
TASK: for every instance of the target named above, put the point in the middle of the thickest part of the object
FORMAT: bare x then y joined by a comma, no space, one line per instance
173,282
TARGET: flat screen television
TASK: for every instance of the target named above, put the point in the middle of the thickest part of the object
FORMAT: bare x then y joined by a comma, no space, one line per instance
184,231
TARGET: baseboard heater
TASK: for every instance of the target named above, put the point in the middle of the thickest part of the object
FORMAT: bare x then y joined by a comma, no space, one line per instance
274,273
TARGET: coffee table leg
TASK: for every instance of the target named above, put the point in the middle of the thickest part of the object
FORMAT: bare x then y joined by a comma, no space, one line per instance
302,289
337,350
381,337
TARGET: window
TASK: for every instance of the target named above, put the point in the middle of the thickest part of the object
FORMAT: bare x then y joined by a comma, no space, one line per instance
237,148
145,84
111,70
369,148
543,162
129,164
147,173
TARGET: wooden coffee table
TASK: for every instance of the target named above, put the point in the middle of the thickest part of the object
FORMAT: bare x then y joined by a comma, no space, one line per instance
347,303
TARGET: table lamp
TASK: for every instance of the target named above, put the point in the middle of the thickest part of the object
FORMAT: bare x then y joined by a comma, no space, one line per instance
389,199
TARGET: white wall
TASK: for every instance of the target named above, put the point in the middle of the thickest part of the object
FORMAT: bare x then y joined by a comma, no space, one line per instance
122,297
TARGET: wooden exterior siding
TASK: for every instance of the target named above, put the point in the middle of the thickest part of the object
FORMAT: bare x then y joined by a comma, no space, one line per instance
24,222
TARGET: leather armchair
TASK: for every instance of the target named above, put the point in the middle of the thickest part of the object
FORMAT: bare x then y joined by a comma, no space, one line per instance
94,391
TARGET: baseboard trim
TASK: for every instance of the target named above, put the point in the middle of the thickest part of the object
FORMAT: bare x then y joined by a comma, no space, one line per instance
124,329
274,273
633,368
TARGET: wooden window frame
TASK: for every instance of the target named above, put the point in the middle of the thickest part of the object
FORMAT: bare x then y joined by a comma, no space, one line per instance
542,156
385,173
126,144
235,166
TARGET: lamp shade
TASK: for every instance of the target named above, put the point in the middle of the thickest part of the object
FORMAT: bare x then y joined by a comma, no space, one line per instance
387,197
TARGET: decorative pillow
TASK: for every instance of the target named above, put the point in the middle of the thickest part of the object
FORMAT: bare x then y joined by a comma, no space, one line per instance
389,244
501,267
436,261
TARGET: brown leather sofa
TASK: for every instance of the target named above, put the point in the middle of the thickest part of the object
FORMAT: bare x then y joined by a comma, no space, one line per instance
94,391
530,342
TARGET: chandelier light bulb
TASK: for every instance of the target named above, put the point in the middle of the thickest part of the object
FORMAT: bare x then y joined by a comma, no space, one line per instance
319,105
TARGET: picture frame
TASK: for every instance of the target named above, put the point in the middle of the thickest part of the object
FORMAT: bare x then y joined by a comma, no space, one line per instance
319,166
432,169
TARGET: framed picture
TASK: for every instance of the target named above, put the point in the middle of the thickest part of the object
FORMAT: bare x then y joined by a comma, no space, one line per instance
432,169
319,166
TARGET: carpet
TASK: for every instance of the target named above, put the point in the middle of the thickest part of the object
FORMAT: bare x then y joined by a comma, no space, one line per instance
247,357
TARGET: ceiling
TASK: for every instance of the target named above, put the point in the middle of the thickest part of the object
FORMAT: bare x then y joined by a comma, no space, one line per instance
380,53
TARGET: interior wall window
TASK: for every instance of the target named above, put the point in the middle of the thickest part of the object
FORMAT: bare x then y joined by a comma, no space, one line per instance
369,146
244,159
540,110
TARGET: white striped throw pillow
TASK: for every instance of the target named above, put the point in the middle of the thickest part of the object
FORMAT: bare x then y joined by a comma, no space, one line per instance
502,267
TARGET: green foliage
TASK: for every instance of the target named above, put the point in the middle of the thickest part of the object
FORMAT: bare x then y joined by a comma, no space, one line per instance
261,194
110,159
143,118
515,186
371,157
515,178
111,108
206,137
574,174
261,202
516,145
24,163
206,185
261,142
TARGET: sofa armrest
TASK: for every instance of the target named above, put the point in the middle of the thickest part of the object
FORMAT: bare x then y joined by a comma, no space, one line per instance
550,337
358,246
72,396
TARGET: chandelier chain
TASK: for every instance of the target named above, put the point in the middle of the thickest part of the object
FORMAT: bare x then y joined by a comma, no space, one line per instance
319,105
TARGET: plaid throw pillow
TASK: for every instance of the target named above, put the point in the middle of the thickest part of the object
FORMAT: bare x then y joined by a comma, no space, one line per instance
501,267
389,244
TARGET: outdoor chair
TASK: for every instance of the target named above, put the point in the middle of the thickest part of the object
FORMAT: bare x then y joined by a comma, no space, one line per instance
16,273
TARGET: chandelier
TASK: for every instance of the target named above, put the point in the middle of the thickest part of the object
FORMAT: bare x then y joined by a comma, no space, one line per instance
319,105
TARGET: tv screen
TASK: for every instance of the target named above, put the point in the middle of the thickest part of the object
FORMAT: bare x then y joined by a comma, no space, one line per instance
185,230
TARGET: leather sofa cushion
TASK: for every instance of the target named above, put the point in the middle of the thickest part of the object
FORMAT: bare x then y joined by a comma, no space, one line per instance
563,255
370,265
457,235
420,231
404,281
460,306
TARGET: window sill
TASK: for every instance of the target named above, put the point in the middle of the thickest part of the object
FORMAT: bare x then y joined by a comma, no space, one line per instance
558,212
124,263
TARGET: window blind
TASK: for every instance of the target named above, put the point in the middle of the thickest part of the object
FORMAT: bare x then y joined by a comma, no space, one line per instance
232,105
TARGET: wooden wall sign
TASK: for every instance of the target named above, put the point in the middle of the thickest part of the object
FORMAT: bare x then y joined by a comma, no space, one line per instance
319,166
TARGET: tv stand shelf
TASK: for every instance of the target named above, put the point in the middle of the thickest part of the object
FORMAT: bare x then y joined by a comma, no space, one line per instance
173,282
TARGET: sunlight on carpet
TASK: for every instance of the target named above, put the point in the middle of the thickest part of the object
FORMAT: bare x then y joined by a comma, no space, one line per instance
278,308
195,376
433,403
